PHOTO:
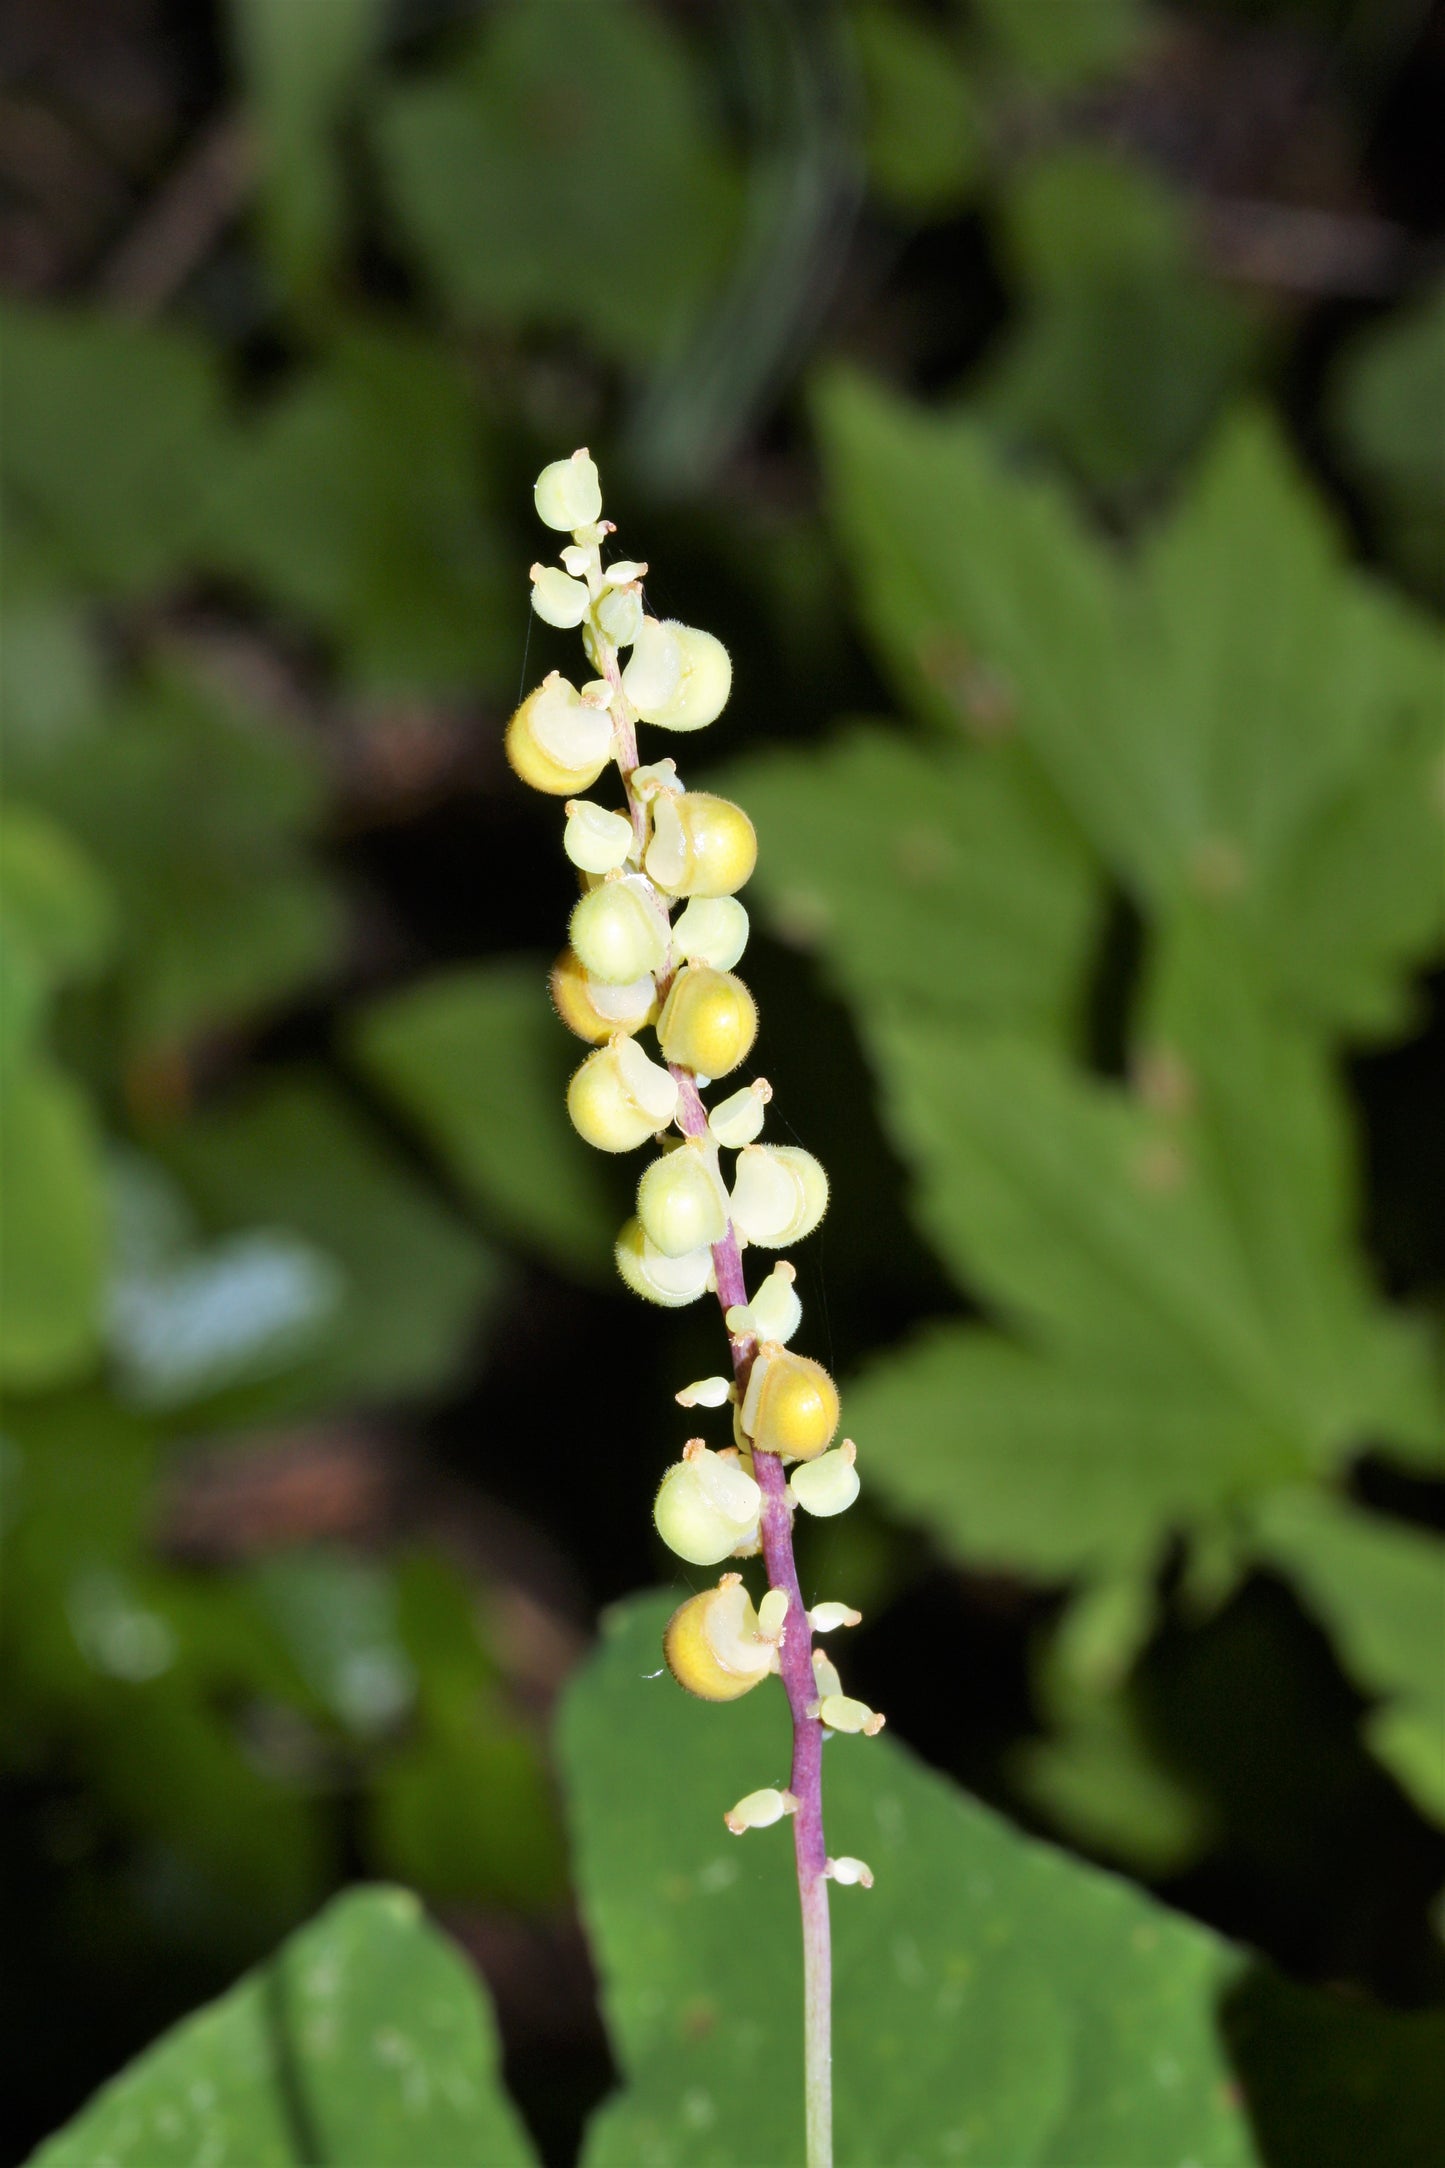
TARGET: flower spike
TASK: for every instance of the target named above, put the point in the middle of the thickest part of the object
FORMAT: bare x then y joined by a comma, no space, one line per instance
652,944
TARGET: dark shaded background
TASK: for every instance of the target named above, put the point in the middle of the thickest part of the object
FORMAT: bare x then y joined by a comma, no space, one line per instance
147,175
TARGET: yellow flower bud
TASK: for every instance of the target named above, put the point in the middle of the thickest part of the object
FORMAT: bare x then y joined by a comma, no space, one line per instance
594,1010
779,1194
708,1022
712,1645
568,493
619,932
557,598
618,1098
824,1618
791,1405
681,1202
558,742
651,1273
619,615
840,1713
703,683
707,1507
701,845
712,930
850,1870
595,840
827,1485
738,1120
654,670
774,1313
759,1810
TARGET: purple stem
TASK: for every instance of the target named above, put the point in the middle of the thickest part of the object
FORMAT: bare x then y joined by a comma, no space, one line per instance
796,1653
796,1665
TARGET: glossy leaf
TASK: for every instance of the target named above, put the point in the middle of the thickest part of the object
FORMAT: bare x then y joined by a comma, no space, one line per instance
992,1997
365,2039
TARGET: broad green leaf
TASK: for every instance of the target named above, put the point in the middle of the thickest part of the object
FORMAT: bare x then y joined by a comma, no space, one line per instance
366,2039
462,1808
525,202
416,1282
196,811
477,1059
993,1999
51,898
1212,715
1070,1204
52,1231
925,133
1251,1101
1063,45
1100,253
1378,1586
303,67
354,503
112,432
1048,1465
929,877
1388,408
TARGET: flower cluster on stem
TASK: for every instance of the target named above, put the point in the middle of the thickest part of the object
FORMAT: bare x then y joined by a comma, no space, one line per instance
652,945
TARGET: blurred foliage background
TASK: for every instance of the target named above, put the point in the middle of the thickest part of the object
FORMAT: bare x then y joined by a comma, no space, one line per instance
1046,403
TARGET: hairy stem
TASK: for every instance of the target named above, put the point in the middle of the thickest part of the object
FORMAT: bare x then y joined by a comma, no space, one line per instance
796,1653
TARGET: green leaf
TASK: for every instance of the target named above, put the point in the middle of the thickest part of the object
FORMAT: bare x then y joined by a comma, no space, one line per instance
1043,1464
1378,1586
527,205
303,68
52,1226
1101,254
1252,1103
1070,1204
1213,716
993,1999
417,1283
477,1059
1388,407
196,811
935,878
925,135
366,2039
51,898
1064,45
354,503
463,1808
111,439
